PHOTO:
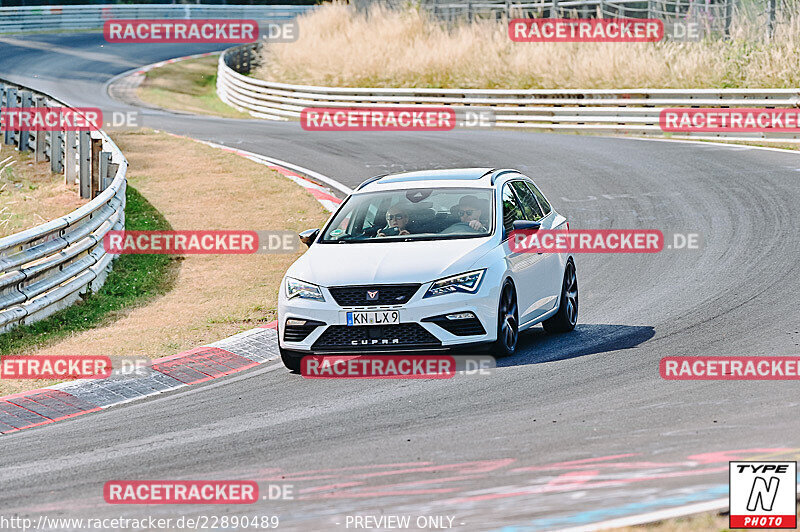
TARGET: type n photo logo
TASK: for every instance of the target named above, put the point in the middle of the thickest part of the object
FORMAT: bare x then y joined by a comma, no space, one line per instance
763,494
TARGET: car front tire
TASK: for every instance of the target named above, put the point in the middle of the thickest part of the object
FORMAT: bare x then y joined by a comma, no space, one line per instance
567,316
507,322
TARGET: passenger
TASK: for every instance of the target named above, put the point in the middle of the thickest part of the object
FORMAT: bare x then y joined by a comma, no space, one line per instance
470,210
396,222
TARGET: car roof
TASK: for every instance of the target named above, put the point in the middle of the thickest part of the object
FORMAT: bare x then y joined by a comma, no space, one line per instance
452,177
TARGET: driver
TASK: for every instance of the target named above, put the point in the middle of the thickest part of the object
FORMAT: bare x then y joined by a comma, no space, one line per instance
396,222
470,210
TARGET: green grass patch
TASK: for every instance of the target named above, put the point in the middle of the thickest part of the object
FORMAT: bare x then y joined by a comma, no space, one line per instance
133,281
189,85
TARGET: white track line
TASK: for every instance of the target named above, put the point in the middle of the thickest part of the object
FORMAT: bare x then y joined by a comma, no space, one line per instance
311,173
651,517
712,143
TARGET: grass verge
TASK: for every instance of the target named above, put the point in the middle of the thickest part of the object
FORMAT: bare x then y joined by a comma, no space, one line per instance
134,280
29,194
210,297
189,86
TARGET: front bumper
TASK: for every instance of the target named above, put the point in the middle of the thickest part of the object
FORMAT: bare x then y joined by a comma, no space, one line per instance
419,329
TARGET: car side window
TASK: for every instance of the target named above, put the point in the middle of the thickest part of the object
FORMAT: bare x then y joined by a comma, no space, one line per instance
532,210
542,200
512,210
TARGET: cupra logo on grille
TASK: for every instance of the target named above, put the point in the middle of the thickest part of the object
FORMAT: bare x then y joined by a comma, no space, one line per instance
372,295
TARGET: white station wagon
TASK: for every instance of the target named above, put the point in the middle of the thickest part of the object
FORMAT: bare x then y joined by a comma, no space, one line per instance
420,261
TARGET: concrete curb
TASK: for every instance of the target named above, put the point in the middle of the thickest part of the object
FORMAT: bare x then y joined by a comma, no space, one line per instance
73,398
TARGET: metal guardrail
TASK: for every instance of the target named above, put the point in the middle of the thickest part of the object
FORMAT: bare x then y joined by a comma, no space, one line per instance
92,17
48,267
626,111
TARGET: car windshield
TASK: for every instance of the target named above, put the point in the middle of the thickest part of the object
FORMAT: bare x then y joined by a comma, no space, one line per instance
413,214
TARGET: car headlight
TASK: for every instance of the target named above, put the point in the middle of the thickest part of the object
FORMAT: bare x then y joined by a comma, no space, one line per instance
303,290
468,282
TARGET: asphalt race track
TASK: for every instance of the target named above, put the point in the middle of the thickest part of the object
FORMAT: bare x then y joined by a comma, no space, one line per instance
573,430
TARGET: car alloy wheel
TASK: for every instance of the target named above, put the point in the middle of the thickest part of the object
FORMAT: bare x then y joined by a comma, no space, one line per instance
507,321
567,316
571,293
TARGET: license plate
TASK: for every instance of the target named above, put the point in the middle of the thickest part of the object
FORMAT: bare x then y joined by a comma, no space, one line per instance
373,317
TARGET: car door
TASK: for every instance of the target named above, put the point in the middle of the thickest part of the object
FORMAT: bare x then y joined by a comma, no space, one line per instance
523,265
548,268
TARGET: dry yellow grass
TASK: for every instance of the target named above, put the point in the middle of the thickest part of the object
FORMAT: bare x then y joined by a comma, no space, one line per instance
29,194
198,187
384,48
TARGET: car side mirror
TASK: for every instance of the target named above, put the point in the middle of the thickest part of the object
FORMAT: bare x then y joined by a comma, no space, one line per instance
308,236
521,225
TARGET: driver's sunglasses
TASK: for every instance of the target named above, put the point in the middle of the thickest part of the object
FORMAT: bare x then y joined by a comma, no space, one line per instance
395,216
468,212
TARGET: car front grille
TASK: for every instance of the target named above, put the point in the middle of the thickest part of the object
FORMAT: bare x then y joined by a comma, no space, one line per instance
387,294
402,335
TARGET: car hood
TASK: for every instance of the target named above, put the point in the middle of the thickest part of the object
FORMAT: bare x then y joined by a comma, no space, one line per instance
388,262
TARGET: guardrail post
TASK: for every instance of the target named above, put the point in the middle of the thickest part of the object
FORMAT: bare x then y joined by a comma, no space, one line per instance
2,103
112,173
11,102
244,61
237,60
70,154
97,147
24,134
771,21
105,179
56,141
40,151
84,163
728,17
